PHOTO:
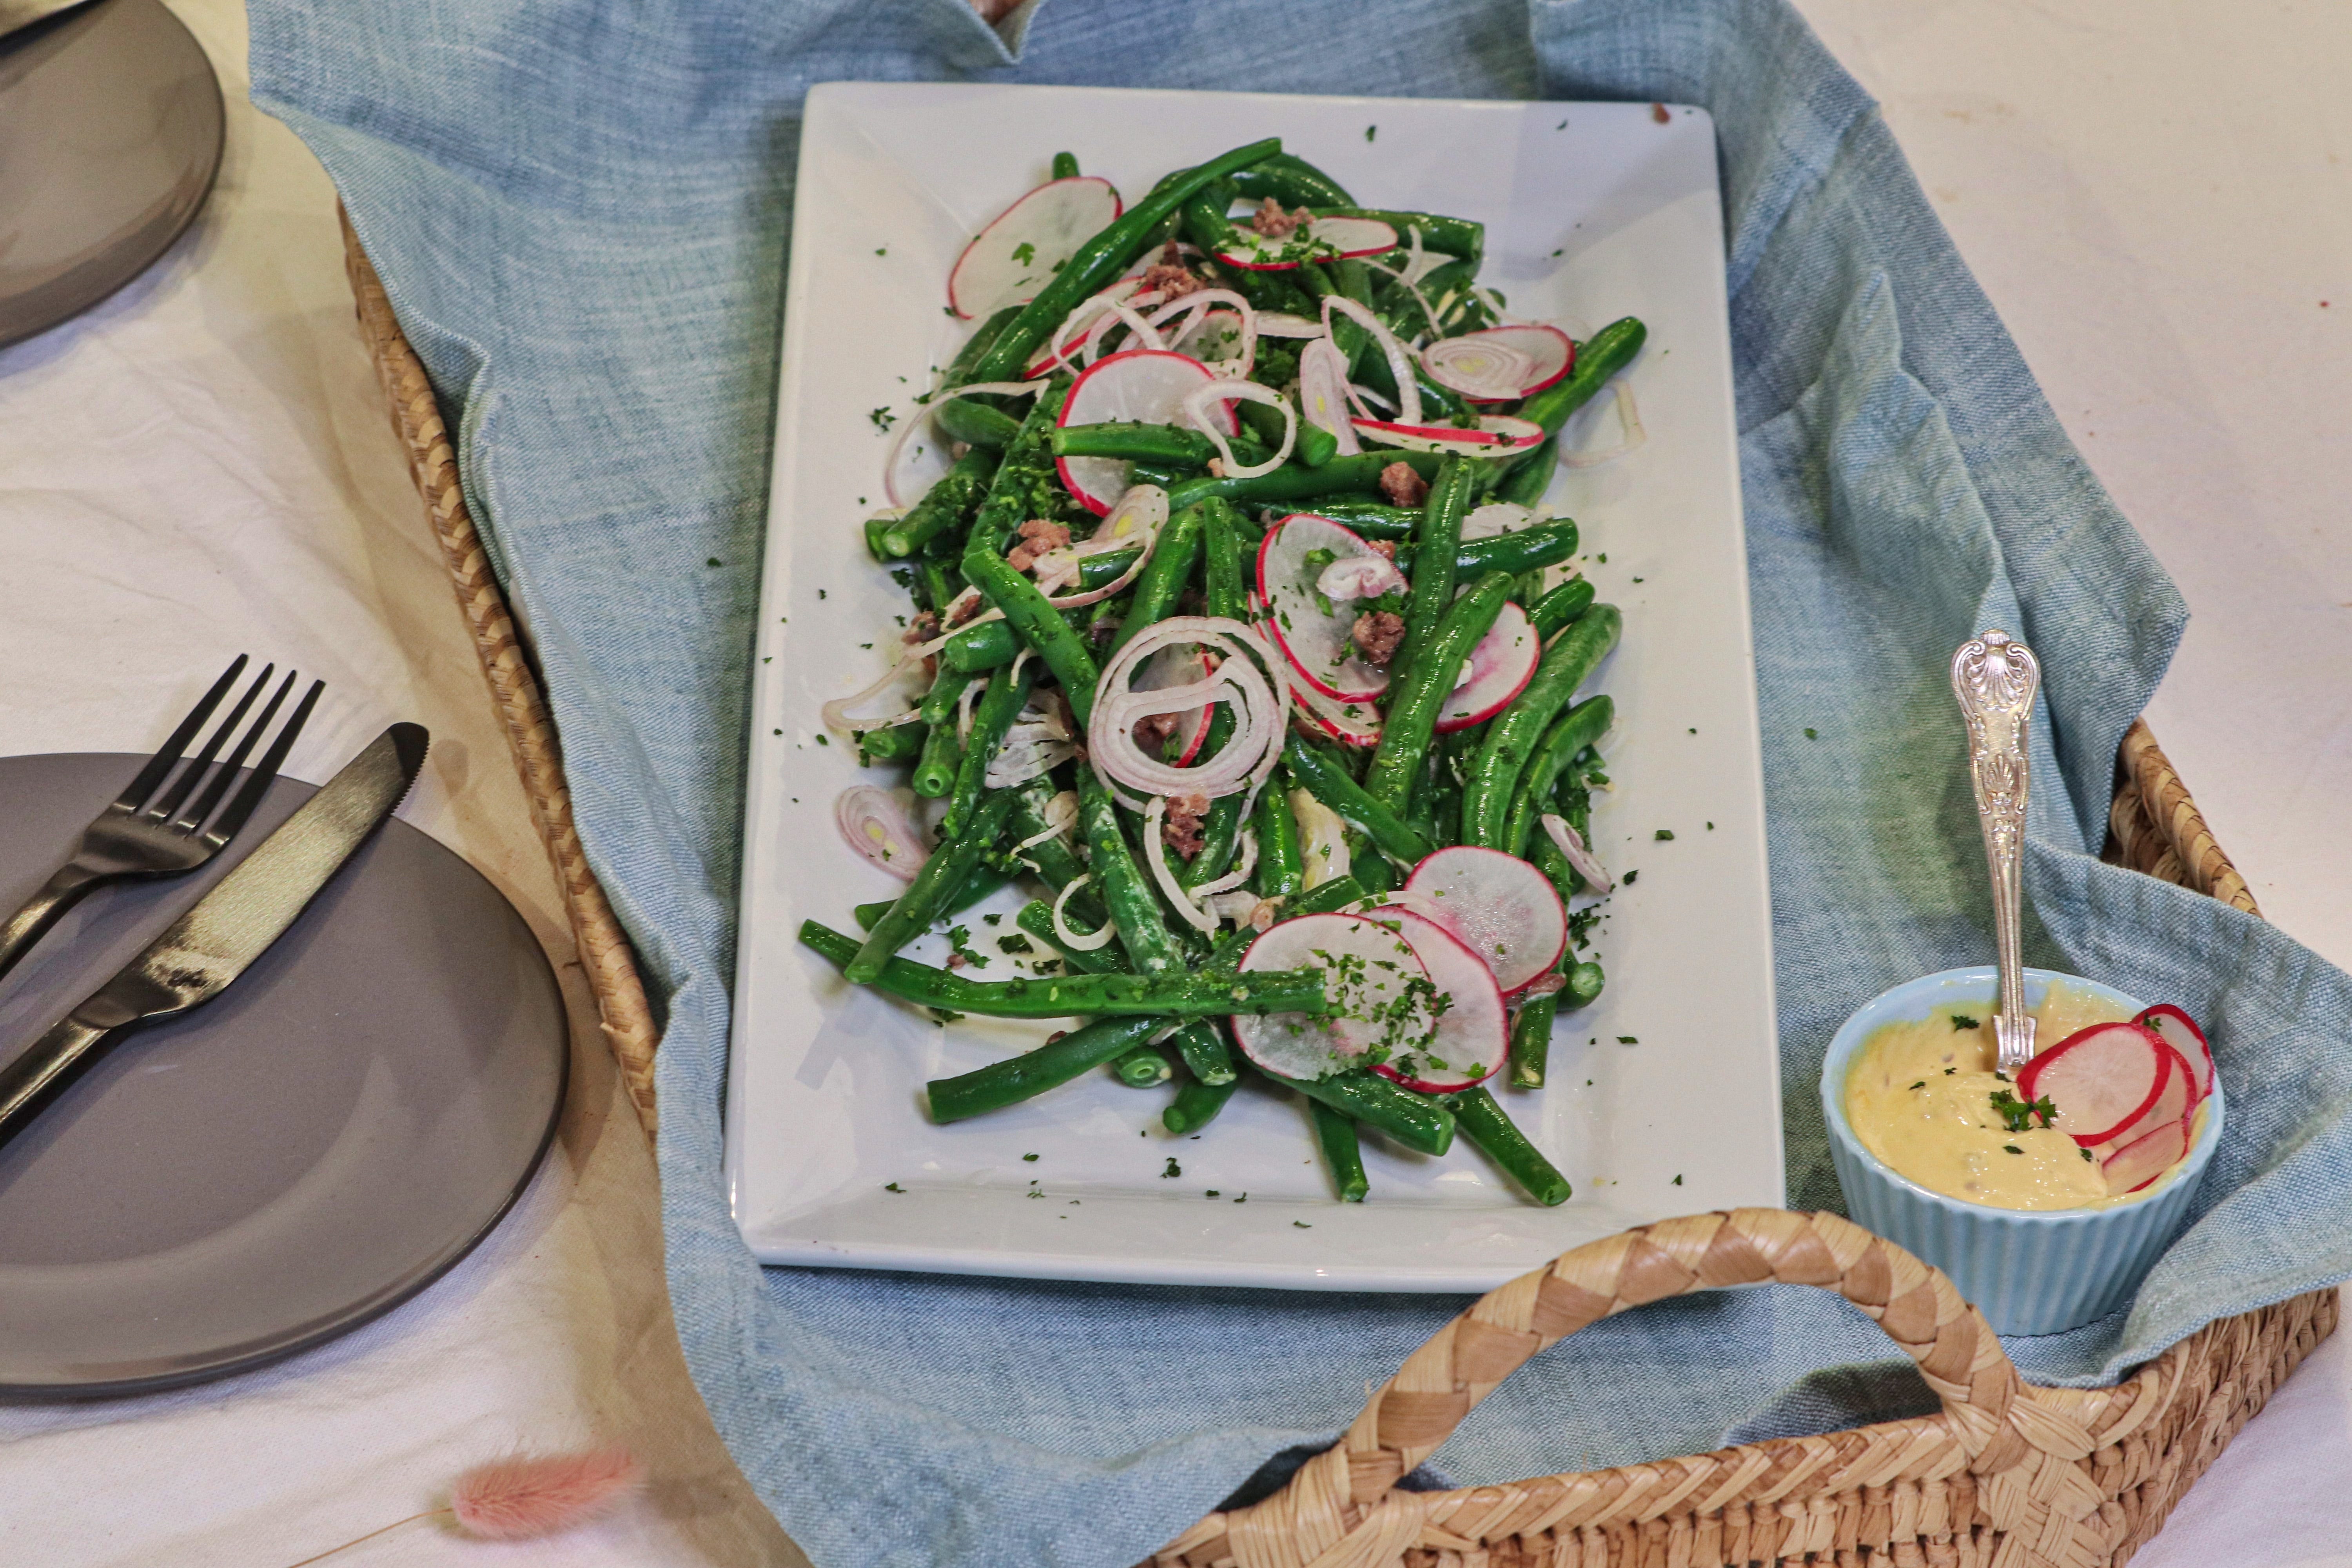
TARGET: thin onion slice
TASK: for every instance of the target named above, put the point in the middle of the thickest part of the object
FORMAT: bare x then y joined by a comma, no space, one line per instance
1323,394
1629,422
1399,359
1478,367
844,713
876,825
921,421
1244,865
1136,518
1194,307
1196,408
1061,815
1077,940
1571,849
1282,324
1261,706
1155,850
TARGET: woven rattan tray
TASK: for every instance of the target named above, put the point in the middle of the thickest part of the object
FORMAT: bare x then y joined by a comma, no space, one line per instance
2008,1475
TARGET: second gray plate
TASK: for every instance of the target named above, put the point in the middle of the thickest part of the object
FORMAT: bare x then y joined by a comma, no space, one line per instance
288,1161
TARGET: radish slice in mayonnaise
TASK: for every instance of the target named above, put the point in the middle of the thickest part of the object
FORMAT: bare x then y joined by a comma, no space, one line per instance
1381,998
1011,261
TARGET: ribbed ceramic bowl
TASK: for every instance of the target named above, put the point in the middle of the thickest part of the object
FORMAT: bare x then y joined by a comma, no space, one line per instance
2029,1271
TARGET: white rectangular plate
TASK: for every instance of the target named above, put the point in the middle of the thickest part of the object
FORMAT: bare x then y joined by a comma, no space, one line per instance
1592,212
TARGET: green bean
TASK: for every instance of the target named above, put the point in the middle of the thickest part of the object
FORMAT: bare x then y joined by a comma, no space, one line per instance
1136,441
1163,578
1290,482
876,527
1039,624
935,774
991,716
891,743
1598,358
1584,984
1581,726
1415,697
1371,519
1530,476
984,881
1184,995
1511,737
1167,477
1052,857
1103,258
1433,583
1326,777
1200,1042
1281,873
1531,1037
1313,446
1225,593
1292,180
1440,404
1196,1105
1065,166
1206,1056
948,504
1457,236
1485,1123
1204,223
1027,485
1560,606
1372,1101
938,580
975,424
1545,544
933,886
1036,917
1145,1066
1335,1135
1126,891
1051,1065
945,696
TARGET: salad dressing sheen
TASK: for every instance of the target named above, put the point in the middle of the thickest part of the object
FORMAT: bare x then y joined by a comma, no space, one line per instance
1920,1096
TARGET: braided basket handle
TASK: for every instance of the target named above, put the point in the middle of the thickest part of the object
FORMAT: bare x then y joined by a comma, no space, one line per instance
1989,1408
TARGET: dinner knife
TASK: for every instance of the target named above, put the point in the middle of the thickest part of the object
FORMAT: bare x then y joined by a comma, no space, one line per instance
224,930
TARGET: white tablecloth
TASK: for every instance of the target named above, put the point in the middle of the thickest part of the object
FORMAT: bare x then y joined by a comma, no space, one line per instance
203,465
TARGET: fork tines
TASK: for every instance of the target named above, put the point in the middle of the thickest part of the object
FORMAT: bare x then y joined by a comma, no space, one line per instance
154,801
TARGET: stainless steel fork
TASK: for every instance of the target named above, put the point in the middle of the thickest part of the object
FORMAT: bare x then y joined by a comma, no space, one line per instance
161,825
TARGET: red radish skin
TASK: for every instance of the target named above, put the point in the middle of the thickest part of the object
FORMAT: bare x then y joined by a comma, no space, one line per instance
2175,1100
1318,646
1500,667
1145,385
1473,1033
1052,221
1347,236
1355,724
2101,1079
2145,1159
1180,665
1391,970
1498,906
2178,1030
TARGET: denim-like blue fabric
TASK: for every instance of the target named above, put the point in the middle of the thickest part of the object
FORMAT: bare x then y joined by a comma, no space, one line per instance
580,210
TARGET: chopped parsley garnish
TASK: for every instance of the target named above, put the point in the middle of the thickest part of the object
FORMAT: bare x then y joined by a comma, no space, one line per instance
2012,1148
960,944
1173,1170
1812,734
1014,945
1962,1021
1030,1157
1025,253
1627,1040
892,1188
1665,834
883,418
1678,1181
2018,1114
1921,1084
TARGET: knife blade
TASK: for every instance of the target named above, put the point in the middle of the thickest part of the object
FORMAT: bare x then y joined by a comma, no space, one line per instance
224,931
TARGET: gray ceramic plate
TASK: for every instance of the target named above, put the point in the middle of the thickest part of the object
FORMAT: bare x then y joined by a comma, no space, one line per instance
110,136
308,1152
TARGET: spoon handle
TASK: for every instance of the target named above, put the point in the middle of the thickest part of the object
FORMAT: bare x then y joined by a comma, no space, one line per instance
1995,679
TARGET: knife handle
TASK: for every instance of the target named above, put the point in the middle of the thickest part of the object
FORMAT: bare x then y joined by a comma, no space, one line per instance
30,1082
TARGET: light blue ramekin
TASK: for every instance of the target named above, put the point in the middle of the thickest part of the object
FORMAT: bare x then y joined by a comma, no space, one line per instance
2029,1271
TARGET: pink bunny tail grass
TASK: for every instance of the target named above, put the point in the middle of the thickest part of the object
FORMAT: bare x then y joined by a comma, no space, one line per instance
507,1499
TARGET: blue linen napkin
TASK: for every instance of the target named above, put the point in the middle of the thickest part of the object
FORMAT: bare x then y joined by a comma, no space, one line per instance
581,213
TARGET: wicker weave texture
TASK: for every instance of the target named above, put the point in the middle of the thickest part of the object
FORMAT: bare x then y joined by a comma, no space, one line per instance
2008,1475
627,1020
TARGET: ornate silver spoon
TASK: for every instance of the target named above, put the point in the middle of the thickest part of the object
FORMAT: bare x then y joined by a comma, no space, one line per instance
1995,679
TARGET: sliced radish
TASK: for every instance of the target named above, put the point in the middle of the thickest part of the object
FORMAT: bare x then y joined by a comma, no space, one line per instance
1498,436
1501,908
1324,239
1178,665
2173,1101
1379,992
2100,1078
1500,667
2178,1030
1323,393
1496,518
1501,363
1473,1033
2142,1161
1126,291
1356,724
1012,260
1148,386
1317,635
